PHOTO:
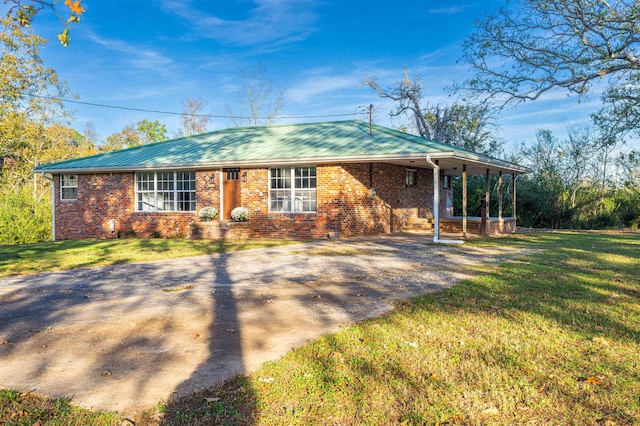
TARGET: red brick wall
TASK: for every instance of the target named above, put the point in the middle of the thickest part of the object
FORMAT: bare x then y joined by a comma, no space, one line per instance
345,205
111,196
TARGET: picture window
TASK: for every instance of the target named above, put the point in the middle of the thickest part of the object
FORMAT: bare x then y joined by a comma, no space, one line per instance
165,191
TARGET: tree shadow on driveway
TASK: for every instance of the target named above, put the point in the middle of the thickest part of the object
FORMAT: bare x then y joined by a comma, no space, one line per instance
129,336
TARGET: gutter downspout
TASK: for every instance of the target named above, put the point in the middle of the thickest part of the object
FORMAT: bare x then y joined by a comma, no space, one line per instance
53,206
436,204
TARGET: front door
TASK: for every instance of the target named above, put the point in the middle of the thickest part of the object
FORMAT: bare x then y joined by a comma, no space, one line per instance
231,191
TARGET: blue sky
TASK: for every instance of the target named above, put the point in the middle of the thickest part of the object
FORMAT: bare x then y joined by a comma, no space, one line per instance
152,54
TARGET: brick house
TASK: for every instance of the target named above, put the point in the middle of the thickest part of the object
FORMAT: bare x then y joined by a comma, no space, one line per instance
297,181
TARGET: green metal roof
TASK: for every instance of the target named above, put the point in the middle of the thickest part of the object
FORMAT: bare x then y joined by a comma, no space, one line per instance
313,142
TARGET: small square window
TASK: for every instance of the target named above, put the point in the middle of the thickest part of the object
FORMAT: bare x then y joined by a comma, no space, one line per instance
411,178
446,182
68,187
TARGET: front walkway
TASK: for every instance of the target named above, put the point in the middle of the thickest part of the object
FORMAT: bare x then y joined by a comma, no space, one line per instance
127,337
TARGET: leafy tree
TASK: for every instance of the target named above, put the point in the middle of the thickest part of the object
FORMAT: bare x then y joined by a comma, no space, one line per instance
31,133
24,11
256,102
25,86
528,48
151,131
141,133
629,166
193,119
544,195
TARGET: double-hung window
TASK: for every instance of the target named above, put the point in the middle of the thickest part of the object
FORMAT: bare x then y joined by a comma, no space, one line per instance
68,187
292,189
165,191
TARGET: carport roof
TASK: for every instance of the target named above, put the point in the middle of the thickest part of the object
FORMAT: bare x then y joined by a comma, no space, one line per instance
312,143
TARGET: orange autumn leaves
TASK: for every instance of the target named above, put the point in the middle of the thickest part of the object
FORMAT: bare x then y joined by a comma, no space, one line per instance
74,6
25,13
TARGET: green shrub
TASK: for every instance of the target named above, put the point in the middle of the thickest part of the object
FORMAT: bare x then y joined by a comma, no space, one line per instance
24,220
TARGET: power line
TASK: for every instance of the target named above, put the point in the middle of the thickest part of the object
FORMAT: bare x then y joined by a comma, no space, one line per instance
50,98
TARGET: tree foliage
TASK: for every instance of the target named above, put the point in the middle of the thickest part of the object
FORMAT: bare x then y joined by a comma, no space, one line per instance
23,218
528,48
32,132
25,85
572,186
141,133
24,11
257,101
465,126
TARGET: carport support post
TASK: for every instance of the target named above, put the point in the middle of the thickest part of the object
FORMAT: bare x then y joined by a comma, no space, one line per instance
436,201
464,201
487,200
500,196
514,177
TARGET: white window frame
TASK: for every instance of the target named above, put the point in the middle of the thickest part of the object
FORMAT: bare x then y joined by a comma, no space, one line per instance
175,193
295,198
68,182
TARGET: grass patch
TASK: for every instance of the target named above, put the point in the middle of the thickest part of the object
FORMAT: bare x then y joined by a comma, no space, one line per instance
17,408
62,255
552,336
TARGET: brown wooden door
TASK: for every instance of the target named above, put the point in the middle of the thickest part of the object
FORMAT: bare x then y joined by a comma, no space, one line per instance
231,191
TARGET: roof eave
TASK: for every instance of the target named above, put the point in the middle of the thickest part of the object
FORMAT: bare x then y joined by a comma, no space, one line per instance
481,160
228,164
477,160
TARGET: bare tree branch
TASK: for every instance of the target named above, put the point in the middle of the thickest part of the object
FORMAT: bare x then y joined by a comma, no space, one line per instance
407,94
192,120
258,104
527,49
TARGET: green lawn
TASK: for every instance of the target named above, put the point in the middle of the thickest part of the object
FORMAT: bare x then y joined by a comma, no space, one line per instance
549,337
60,255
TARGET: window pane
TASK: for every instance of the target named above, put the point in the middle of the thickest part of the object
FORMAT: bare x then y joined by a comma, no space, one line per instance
69,180
280,178
165,181
305,177
411,178
165,201
145,202
186,201
305,200
186,194
145,181
280,200
69,193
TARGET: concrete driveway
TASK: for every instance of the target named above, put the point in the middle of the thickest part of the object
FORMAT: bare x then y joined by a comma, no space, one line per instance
129,336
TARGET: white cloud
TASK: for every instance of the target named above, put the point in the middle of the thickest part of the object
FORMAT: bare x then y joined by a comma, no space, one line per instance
137,57
447,10
320,82
272,22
